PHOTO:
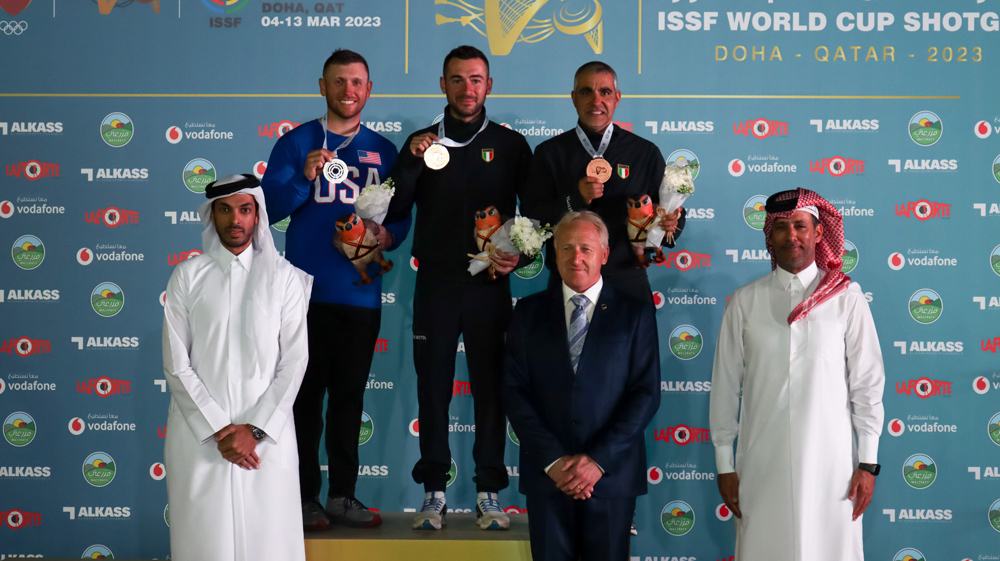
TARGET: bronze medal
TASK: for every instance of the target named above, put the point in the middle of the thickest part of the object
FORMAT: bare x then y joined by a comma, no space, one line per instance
599,168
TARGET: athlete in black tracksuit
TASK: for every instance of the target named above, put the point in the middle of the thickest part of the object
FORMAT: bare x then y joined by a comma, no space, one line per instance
448,301
552,191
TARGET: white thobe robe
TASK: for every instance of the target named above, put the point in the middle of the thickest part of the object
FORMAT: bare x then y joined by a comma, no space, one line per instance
218,510
811,410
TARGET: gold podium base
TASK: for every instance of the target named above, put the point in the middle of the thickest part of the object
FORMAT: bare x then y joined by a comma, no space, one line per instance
395,539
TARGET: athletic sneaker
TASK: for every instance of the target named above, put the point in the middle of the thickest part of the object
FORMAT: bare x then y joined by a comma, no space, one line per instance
350,512
634,531
488,513
431,515
313,517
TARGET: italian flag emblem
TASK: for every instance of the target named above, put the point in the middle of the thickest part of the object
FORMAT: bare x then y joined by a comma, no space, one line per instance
487,154
622,171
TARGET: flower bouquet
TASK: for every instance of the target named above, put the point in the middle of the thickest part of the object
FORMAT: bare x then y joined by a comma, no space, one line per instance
518,236
373,201
677,185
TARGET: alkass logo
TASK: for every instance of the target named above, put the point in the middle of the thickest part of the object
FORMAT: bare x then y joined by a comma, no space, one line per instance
116,174
837,166
685,386
910,514
981,207
22,127
935,347
378,472
97,512
685,260
28,295
33,170
924,165
761,128
749,255
924,387
31,472
845,125
276,129
184,216
104,386
923,210
991,472
182,256
930,425
112,217
26,346
204,131
682,435
994,302
668,127
15,519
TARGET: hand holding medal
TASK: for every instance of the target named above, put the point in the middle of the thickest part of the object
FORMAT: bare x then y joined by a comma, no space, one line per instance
598,169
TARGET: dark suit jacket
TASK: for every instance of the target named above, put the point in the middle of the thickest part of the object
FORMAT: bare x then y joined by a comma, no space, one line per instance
602,410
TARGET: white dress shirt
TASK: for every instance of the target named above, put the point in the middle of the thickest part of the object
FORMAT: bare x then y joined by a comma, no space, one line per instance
592,294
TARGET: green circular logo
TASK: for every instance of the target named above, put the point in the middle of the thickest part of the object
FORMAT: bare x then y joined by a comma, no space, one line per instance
908,554
107,299
919,471
511,435
117,130
198,173
367,429
926,306
995,515
28,252
995,260
754,213
98,551
685,158
282,225
850,258
994,428
166,514
677,518
19,429
532,270
99,469
452,473
925,128
685,342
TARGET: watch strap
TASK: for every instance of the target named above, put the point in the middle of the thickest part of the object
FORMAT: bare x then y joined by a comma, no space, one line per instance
873,469
258,434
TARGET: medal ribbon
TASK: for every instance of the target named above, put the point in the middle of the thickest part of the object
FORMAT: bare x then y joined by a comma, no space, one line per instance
350,137
605,141
445,141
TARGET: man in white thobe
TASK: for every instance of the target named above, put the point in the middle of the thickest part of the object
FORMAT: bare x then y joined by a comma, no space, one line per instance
234,354
801,346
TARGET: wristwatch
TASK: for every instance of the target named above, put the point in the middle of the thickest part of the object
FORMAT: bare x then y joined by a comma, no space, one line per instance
259,435
873,469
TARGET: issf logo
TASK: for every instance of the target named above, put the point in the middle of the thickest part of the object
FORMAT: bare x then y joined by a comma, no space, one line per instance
685,342
850,257
367,429
225,6
99,469
926,306
117,130
19,429
754,213
919,471
677,518
107,299
198,173
684,158
925,128
908,554
28,252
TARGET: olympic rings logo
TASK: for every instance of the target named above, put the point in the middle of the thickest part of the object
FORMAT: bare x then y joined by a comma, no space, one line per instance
13,27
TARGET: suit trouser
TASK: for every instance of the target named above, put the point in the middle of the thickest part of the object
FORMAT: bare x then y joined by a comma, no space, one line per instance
341,344
562,528
480,312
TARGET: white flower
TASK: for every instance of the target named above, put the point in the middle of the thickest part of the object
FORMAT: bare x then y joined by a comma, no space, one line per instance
678,179
373,201
528,237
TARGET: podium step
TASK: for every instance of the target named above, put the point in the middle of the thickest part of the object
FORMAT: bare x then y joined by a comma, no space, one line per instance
396,539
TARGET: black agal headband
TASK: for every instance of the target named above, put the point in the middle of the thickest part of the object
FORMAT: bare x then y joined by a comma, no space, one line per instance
230,184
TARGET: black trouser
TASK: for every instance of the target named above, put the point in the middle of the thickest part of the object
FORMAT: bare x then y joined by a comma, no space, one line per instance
341,343
636,286
479,312
562,528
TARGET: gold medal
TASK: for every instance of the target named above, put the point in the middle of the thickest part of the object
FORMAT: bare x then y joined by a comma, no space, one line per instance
436,156
599,168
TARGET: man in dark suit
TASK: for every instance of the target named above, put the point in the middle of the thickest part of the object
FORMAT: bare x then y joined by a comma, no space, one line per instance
581,383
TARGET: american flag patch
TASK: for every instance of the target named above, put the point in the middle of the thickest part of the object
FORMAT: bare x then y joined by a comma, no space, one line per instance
366,157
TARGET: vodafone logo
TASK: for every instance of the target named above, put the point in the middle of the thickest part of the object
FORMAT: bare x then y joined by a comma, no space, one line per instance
983,129
158,471
6,209
76,426
2,386
163,298
737,167
658,299
174,135
723,513
413,263
896,261
84,256
258,169
654,475
415,427
981,385
896,427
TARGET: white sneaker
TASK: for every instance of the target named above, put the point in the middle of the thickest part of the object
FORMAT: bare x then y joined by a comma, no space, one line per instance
488,513
431,515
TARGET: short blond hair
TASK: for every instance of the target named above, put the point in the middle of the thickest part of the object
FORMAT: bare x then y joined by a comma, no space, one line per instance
586,216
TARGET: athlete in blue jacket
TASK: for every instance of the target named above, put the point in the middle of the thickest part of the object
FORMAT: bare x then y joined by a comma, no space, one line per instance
338,310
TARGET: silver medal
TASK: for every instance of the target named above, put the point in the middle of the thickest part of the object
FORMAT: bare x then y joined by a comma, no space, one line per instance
335,171
436,157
